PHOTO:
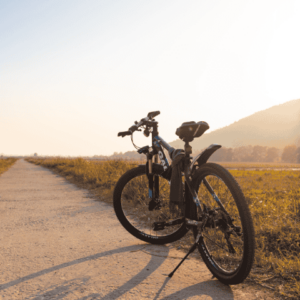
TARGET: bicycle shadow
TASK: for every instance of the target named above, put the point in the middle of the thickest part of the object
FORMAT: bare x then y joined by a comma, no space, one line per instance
211,288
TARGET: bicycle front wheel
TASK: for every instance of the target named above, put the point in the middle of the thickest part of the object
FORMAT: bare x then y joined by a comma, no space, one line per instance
228,244
131,204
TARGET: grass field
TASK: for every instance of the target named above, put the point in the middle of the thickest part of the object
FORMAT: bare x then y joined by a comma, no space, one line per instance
272,192
5,163
260,165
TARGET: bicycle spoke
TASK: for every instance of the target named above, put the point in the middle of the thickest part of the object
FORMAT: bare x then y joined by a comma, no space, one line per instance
215,196
136,200
214,242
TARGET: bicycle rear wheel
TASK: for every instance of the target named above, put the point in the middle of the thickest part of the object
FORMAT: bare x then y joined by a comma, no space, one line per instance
228,244
131,205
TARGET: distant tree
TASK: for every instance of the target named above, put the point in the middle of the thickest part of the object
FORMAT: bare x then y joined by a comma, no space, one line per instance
222,154
243,153
258,153
252,154
228,155
218,155
272,154
289,154
298,155
35,154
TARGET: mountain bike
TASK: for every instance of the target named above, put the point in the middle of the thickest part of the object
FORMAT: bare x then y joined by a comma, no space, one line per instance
159,203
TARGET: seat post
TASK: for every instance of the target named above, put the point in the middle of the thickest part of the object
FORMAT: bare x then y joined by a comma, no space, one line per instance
187,148
154,125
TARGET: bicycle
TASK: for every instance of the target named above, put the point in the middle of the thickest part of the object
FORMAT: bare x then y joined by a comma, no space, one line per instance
160,203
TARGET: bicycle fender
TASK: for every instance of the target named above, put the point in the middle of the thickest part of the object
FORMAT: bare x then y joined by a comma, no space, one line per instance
203,157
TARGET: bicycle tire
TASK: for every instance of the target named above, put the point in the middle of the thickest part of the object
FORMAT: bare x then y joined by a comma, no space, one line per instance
229,268
131,205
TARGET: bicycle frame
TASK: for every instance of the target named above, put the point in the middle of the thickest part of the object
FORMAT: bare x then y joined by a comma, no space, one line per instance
158,144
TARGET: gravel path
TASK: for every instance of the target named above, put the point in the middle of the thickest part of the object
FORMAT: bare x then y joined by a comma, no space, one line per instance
57,242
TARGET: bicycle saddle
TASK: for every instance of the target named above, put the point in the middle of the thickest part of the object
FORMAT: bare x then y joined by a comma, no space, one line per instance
190,130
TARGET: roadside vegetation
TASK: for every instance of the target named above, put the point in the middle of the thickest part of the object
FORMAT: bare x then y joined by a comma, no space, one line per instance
272,192
260,165
290,154
6,163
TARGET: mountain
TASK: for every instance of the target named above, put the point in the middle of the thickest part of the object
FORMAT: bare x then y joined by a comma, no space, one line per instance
277,126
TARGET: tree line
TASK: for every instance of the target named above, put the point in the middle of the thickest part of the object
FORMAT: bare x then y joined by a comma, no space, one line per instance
290,154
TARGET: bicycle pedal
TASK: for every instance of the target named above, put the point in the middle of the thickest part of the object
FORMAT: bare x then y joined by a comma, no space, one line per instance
158,226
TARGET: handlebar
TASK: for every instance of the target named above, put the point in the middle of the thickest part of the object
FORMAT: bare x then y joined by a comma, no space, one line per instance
143,121
153,114
124,133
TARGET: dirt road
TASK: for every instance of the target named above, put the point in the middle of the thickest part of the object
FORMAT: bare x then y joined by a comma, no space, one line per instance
57,242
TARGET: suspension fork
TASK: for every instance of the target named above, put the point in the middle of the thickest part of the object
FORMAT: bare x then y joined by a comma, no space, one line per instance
156,180
149,175
153,180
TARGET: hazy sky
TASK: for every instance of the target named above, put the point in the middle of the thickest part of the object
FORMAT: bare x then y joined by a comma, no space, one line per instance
75,73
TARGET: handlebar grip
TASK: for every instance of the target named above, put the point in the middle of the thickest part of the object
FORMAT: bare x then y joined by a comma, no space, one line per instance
124,133
133,128
153,114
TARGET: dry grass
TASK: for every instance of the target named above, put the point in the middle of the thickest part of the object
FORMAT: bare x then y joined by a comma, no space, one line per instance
259,165
272,195
6,163
273,198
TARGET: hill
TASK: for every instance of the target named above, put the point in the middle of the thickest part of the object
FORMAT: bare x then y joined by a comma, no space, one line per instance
277,126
